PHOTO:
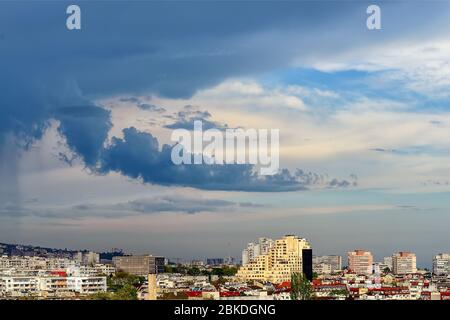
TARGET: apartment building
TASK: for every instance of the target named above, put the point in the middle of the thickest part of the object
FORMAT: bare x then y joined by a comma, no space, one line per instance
50,285
287,255
86,285
404,263
34,263
441,264
55,286
17,286
105,269
250,253
264,245
322,268
332,262
254,249
87,258
139,265
388,262
360,261
214,261
58,263
22,262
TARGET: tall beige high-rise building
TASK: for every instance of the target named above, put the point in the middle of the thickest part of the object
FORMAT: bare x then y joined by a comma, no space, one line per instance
286,255
404,263
360,261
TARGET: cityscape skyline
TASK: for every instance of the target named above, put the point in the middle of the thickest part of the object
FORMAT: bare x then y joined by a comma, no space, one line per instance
363,118
274,269
237,258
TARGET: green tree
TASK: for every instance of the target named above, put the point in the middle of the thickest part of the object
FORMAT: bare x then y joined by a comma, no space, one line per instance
121,279
102,296
301,288
127,292
121,286
224,271
229,271
170,269
218,282
194,271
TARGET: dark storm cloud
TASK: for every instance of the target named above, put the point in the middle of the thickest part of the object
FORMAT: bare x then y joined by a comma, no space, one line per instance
85,130
22,112
27,108
138,156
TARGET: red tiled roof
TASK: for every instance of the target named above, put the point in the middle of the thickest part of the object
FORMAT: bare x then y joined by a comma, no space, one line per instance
194,293
283,285
230,294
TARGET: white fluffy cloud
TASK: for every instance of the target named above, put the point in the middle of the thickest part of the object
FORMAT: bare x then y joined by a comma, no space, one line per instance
422,66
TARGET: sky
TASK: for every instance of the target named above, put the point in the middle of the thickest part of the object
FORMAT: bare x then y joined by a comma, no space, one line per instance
364,120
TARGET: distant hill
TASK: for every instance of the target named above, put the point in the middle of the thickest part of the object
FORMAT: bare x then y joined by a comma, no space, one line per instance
37,251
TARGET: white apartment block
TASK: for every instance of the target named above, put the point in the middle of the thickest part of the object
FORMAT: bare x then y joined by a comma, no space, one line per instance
44,286
441,264
91,271
87,258
378,267
18,264
34,263
250,253
17,286
87,285
253,250
105,269
264,245
388,262
53,287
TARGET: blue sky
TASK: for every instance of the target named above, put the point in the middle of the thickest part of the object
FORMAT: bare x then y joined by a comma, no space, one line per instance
87,116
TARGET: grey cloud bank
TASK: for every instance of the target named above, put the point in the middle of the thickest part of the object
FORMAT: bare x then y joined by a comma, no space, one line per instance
153,205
